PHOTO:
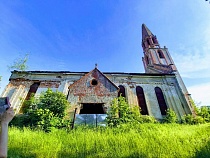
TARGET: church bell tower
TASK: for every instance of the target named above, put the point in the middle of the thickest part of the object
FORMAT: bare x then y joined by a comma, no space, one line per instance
156,59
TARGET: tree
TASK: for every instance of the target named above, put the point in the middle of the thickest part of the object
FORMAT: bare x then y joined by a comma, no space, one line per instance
20,63
170,117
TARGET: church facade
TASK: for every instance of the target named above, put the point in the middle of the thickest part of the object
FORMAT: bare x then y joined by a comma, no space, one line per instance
158,89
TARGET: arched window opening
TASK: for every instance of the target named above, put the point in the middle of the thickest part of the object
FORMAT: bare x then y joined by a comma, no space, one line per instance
141,100
148,42
143,45
32,90
161,100
147,60
121,91
154,40
160,54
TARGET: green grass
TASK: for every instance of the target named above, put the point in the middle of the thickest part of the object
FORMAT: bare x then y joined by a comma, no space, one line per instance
144,140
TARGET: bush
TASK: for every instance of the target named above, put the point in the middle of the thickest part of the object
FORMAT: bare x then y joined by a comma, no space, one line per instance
29,104
147,119
121,112
46,112
202,115
204,112
170,117
54,101
192,120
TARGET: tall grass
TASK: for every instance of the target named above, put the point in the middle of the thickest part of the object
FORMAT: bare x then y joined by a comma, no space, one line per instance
144,140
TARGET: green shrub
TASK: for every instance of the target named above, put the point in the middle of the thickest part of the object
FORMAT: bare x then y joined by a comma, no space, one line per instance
204,112
120,112
46,112
29,104
147,119
192,120
201,115
170,117
56,102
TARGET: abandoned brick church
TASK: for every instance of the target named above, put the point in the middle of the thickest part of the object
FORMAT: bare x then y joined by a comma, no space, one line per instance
159,88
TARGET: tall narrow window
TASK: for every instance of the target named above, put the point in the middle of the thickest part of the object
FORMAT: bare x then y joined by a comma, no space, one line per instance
147,60
148,42
160,54
33,89
161,100
141,100
143,45
122,91
154,40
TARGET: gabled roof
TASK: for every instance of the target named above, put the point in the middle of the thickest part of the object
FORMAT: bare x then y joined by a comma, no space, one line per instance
96,69
91,72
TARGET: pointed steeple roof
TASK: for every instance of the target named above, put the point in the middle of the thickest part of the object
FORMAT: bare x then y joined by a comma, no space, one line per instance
145,32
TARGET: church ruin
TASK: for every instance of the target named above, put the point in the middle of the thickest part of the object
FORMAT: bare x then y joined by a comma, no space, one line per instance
159,88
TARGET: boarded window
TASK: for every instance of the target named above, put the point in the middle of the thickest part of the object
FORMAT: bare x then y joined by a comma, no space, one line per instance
33,89
161,100
121,91
141,100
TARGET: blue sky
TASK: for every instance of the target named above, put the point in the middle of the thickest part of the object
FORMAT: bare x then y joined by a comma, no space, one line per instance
73,35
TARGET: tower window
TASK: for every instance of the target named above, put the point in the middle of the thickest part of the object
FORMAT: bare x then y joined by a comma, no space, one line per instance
153,39
141,100
161,100
148,42
147,60
143,45
160,54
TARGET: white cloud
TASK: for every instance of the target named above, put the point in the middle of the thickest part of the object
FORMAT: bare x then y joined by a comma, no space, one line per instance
193,62
201,93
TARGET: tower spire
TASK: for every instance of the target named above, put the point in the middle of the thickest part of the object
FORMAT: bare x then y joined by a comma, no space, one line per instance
146,32
156,59
148,39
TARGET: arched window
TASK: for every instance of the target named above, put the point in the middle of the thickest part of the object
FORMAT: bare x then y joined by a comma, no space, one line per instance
33,89
154,40
143,45
161,100
141,100
121,91
160,54
147,60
